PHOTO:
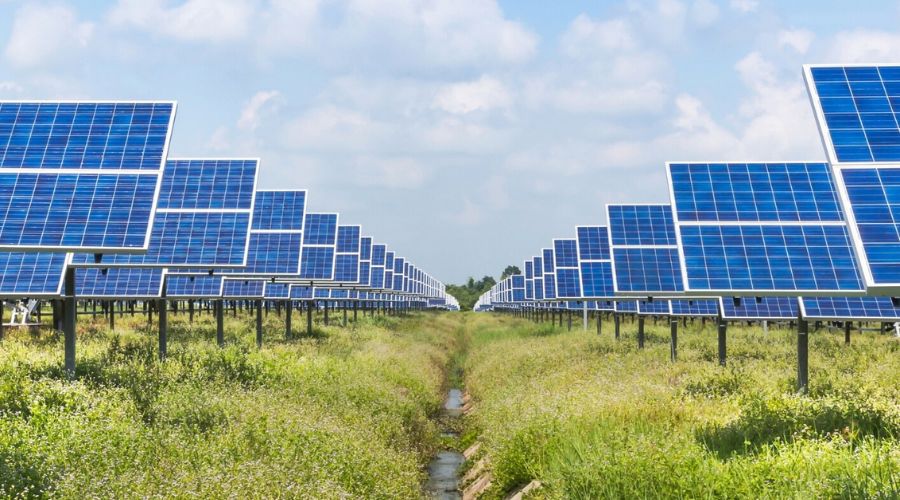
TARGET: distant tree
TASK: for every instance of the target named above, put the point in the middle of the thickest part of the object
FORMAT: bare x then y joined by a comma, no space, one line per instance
509,271
487,282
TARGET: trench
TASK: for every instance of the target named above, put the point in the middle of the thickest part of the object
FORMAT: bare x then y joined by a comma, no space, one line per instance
444,468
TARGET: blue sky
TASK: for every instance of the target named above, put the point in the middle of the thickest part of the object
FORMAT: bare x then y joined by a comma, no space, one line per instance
465,134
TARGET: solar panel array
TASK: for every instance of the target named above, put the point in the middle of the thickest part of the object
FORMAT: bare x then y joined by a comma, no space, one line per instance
644,250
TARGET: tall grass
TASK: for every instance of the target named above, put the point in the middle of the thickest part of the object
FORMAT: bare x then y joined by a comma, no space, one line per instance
344,414
592,417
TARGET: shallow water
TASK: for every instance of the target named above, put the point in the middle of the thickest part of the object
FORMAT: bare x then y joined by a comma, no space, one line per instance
443,471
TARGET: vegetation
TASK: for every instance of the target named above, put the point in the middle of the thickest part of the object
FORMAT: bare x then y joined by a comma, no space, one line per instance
468,294
344,414
592,417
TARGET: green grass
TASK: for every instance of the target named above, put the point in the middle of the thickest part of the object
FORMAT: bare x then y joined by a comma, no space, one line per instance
592,417
348,413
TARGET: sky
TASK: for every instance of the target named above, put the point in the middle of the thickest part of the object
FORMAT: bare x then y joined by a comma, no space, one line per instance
464,134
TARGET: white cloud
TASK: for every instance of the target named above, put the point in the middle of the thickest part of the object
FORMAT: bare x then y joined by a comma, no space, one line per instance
865,46
45,32
332,128
484,94
252,113
198,20
798,39
585,37
745,6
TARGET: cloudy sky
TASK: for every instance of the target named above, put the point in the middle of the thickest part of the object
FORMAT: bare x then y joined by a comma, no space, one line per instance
465,134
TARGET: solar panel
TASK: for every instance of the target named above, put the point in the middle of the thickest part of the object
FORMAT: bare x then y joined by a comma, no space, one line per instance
276,291
762,308
187,287
626,306
849,308
604,305
243,288
794,241
594,263
202,217
32,274
654,307
276,236
322,293
695,307
568,277
644,250
80,175
346,261
518,288
529,280
300,292
319,244
119,283
854,105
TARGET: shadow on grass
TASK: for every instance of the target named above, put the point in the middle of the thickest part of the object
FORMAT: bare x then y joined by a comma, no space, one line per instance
765,420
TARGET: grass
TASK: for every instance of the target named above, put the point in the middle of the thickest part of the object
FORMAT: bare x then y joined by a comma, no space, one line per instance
592,417
348,413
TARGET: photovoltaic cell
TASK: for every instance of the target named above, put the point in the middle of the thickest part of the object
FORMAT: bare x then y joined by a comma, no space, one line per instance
320,229
568,277
348,239
644,250
180,286
763,308
346,268
31,274
626,306
594,262
243,288
654,308
299,292
857,107
797,243
695,307
119,283
317,263
365,248
279,210
277,291
80,175
849,308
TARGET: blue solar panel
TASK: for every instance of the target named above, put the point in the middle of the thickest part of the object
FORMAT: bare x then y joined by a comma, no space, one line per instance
763,308
641,225
365,273
346,268
210,184
348,239
322,293
299,292
758,192
654,308
27,274
340,294
529,270
179,286
320,229
849,308
99,166
119,283
277,290
873,195
279,210
549,286
547,255
799,244
855,107
594,262
376,278
644,250
568,283
604,305
365,248
317,263
243,288
202,218
593,243
378,255
696,307
538,289
626,306
271,254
